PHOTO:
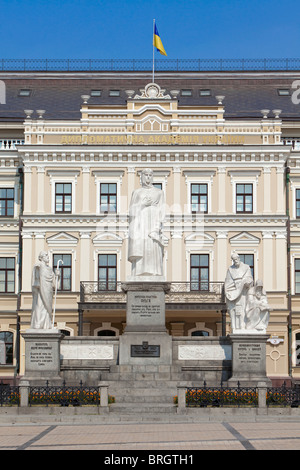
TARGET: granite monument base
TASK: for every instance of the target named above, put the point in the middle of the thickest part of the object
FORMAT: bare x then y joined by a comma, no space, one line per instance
248,359
145,340
42,356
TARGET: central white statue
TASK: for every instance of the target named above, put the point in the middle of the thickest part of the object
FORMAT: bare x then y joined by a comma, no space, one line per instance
146,216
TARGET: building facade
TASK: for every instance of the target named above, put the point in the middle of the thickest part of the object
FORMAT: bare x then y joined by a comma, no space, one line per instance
224,148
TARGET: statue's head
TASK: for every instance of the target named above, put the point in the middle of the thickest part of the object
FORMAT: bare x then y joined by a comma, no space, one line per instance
235,259
43,256
147,177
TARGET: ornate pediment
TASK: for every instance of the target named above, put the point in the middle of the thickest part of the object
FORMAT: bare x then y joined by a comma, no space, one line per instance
152,91
244,238
62,239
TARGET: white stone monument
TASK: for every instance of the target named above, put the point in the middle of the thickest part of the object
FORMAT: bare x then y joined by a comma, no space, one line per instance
249,314
42,340
145,339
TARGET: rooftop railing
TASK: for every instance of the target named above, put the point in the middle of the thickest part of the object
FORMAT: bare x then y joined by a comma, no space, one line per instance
144,65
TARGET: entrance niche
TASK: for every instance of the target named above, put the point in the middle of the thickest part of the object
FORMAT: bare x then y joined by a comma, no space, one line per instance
200,330
106,333
106,330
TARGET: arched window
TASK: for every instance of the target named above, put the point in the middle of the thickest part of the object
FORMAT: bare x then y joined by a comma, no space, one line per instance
65,332
6,347
200,333
106,333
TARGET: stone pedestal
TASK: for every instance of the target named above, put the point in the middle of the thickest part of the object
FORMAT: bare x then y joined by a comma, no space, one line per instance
145,340
248,359
42,356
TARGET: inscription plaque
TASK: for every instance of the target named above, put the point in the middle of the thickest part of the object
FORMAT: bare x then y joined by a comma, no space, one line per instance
145,350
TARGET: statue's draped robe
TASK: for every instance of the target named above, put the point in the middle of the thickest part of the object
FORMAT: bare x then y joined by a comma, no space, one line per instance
42,296
236,291
145,249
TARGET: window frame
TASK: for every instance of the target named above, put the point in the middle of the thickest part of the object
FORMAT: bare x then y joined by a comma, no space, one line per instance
6,270
252,266
200,268
107,267
10,343
199,196
108,195
56,194
8,199
63,267
244,195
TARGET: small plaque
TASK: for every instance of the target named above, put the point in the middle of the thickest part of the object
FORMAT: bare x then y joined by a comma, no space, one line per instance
145,350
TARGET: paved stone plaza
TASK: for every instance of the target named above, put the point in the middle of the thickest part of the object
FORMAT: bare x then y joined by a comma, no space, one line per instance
178,437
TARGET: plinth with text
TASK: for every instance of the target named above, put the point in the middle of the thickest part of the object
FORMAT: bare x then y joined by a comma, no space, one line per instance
42,355
145,339
248,359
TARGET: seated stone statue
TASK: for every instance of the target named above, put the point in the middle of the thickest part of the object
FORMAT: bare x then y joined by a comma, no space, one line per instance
257,308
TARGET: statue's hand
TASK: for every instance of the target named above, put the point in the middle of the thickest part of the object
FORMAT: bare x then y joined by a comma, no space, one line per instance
57,272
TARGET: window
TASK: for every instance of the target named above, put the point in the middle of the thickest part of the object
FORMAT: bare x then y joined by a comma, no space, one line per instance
95,93
248,259
65,282
108,197
297,349
114,93
157,185
199,272
186,92
283,92
199,333
7,275
6,347
63,198
297,276
107,272
24,92
106,333
244,198
199,198
205,93
6,202
297,203
65,332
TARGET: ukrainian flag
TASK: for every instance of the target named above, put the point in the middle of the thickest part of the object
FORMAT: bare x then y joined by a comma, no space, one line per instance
157,42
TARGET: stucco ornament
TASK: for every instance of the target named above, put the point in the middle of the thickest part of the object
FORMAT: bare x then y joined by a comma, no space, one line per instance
145,244
246,302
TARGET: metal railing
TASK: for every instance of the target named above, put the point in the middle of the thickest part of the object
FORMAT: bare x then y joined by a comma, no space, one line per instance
64,395
180,292
221,396
132,65
283,396
9,395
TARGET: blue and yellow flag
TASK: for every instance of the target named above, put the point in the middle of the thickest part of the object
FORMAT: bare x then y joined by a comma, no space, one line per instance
157,42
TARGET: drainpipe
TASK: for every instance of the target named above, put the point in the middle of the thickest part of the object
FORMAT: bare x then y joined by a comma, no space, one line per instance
289,293
21,186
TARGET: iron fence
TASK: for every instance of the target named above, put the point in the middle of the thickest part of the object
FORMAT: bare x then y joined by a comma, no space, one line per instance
9,394
221,396
132,65
63,395
283,396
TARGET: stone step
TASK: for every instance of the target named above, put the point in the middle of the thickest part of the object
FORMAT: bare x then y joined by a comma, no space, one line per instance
142,408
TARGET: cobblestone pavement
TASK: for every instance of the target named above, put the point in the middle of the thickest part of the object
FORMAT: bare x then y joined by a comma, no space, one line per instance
178,437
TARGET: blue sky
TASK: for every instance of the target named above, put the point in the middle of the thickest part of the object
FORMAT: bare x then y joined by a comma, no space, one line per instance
100,29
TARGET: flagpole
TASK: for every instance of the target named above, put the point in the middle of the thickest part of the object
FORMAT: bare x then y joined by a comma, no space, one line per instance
153,51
